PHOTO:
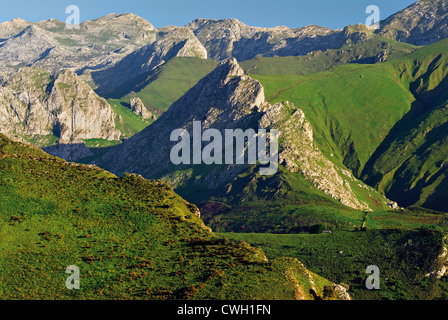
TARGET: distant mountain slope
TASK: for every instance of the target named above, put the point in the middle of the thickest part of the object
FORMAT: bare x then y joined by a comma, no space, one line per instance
231,38
97,44
375,50
103,47
422,23
162,86
130,238
180,42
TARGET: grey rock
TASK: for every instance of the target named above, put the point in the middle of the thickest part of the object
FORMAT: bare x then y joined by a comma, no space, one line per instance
139,108
232,38
422,23
35,105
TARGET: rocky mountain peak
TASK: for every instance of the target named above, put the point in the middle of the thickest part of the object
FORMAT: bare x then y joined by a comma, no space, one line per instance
228,69
422,23
225,93
13,27
66,76
31,31
37,41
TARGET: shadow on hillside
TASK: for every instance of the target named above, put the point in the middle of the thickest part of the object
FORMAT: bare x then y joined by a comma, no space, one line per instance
69,152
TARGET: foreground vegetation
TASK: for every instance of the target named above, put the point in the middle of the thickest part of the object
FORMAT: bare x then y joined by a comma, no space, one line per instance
131,239
404,257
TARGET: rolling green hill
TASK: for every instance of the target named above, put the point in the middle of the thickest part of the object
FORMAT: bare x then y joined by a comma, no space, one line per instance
367,52
131,239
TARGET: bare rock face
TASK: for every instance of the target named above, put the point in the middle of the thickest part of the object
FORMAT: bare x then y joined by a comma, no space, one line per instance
37,42
229,99
11,28
97,44
79,111
231,38
35,106
422,23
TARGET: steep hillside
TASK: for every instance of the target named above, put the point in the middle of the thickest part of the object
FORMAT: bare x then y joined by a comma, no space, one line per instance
410,165
130,238
306,177
180,42
351,108
371,51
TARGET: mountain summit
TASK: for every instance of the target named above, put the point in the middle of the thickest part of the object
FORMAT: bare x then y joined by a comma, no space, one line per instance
422,23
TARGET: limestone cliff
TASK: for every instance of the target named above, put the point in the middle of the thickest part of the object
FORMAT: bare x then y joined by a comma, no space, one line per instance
40,108
139,108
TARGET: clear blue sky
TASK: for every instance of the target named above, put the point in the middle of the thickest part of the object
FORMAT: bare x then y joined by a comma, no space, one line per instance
264,13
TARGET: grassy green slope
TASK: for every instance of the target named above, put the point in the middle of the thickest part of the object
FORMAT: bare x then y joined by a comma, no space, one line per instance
283,203
167,83
130,237
351,108
411,164
364,52
125,120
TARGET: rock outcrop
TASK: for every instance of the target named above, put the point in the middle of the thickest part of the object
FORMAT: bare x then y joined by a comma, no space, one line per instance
139,108
37,107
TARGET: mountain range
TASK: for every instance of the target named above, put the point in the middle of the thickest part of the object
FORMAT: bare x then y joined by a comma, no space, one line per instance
361,116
